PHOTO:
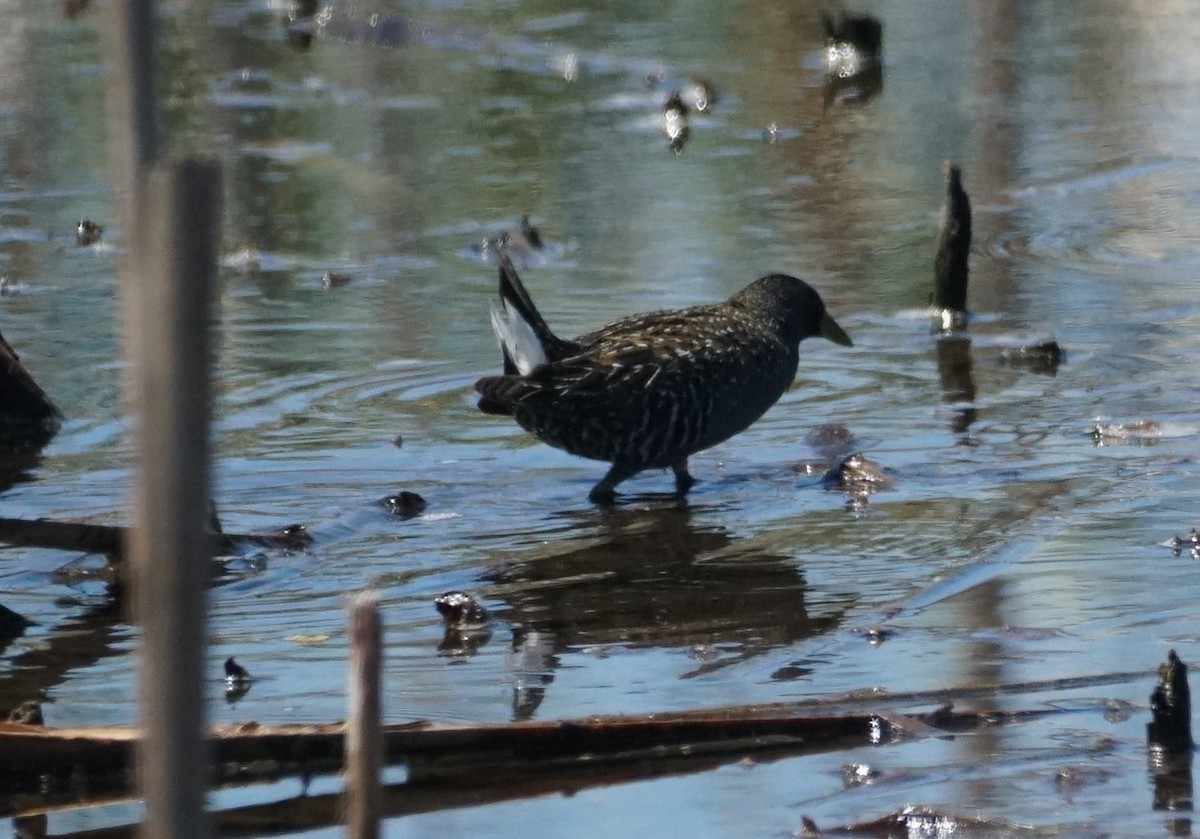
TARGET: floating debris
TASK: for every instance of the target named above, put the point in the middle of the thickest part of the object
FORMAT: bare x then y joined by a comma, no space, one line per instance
699,94
857,774
878,634
467,622
404,504
308,639
950,265
331,279
523,241
87,232
771,133
855,473
524,245
675,123
27,713
74,8
858,477
923,821
1045,357
461,610
1144,432
398,441
237,680
1190,543
236,674
566,65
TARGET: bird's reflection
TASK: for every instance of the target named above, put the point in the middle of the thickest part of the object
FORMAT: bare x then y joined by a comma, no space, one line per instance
652,577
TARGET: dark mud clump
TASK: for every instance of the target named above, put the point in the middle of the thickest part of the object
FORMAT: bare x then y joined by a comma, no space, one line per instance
467,624
87,233
404,504
1044,358
460,609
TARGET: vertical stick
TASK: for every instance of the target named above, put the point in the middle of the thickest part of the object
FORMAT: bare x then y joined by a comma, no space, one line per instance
131,102
364,735
133,149
170,548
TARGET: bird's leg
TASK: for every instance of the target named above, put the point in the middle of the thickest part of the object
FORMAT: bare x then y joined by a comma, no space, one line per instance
683,481
605,491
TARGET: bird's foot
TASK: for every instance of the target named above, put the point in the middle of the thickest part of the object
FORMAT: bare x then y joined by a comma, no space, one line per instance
603,495
683,480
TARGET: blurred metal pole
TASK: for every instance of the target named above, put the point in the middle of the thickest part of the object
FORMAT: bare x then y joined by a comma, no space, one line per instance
364,728
170,217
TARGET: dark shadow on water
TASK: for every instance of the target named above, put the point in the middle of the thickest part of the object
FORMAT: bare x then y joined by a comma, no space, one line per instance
18,464
75,643
651,577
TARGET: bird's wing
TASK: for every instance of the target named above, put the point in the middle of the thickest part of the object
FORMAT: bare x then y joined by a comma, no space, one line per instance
626,357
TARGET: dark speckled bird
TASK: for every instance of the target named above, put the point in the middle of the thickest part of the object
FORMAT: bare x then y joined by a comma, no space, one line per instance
650,390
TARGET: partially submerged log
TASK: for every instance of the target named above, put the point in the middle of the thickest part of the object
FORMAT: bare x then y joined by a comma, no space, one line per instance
109,541
438,750
43,770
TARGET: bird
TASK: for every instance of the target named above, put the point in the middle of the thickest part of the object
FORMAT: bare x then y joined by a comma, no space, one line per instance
650,390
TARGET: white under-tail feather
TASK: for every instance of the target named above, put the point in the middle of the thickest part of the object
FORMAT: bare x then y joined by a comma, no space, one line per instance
517,338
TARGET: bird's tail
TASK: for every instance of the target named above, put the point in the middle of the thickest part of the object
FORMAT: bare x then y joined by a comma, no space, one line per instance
525,338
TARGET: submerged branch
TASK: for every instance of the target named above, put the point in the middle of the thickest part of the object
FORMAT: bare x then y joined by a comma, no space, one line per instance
110,540
466,765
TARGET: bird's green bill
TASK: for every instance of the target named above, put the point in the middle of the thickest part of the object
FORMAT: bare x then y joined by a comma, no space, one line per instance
829,329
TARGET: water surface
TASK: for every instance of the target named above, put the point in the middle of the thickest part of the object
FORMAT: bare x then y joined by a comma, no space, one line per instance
1017,548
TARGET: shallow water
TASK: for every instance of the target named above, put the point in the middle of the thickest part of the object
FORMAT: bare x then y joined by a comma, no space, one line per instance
1011,547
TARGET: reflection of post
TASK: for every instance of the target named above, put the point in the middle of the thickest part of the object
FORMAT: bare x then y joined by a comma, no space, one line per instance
1172,772
957,378
1169,743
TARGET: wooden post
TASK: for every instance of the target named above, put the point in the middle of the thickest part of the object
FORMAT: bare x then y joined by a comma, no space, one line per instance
364,728
170,546
132,110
